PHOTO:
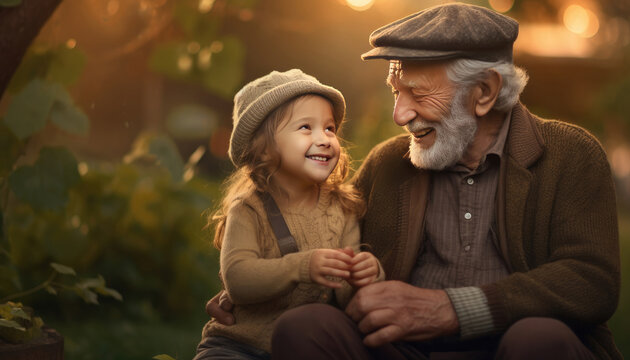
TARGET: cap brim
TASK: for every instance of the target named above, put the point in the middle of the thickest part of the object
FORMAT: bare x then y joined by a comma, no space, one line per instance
395,53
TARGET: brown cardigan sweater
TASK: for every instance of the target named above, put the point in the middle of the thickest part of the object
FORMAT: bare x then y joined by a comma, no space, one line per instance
557,221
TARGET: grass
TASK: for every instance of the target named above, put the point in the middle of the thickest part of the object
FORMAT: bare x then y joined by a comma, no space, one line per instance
110,339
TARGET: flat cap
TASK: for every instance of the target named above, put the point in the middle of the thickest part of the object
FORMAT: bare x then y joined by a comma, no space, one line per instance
447,31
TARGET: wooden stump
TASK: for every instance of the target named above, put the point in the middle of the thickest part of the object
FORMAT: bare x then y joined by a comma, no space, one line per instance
47,347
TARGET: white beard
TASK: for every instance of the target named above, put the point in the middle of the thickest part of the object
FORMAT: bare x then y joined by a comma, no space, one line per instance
453,135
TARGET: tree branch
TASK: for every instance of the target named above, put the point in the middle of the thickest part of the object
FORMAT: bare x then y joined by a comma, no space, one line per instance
18,27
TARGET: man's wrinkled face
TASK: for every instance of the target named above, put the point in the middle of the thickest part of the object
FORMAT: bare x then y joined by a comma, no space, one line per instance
434,112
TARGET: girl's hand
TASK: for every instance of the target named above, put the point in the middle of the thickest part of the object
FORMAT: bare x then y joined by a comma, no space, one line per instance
329,262
364,269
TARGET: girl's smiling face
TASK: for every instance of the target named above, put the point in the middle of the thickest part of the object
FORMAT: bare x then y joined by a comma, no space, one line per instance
307,143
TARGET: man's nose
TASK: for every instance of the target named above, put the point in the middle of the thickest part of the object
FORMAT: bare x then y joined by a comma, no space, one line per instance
403,110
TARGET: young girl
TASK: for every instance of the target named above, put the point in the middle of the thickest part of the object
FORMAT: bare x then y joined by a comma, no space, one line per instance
284,144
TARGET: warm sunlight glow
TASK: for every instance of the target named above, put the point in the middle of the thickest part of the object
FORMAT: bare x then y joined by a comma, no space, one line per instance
581,21
184,63
205,6
204,58
501,5
216,46
112,7
360,5
71,43
193,47
620,161
83,168
246,15
550,40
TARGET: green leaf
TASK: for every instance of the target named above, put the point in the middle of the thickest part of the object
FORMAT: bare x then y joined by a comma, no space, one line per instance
61,64
98,285
105,291
11,324
19,313
10,148
226,70
92,283
51,290
29,109
67,115
66,65
10,3
163,357
87,295
168,155
34,65
46,184
63,269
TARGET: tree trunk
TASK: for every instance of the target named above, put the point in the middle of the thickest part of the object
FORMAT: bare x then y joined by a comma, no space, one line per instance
18,27
48,347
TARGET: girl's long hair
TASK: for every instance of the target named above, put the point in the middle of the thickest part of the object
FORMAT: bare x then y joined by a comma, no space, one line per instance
260,161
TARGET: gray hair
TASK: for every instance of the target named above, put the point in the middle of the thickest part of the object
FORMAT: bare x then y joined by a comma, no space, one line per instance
467,72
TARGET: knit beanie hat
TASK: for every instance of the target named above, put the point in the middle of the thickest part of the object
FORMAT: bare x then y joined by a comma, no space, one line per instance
256,100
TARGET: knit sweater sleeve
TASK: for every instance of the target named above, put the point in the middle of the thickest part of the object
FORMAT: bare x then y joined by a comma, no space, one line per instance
571,268
249,278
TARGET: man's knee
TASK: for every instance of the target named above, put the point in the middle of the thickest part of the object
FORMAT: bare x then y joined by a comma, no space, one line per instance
311,319
317,331
540,338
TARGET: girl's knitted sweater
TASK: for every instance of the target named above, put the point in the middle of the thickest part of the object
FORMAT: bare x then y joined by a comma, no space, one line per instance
260,282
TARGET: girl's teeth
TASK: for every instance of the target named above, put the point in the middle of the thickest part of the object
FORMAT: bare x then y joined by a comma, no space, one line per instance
319,158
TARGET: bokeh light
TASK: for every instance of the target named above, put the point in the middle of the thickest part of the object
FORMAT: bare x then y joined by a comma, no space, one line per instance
193,47
581,21
71,43
502,5
360,5
184,63
205,6
112,7
620,161
204,58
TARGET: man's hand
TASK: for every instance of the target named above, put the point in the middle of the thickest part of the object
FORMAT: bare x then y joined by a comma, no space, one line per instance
220,308
364,269
329,262
392,310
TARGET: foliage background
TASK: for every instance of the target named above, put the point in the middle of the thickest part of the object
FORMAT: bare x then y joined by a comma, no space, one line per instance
131,102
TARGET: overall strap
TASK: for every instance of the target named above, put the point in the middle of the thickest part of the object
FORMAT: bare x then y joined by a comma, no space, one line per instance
286,242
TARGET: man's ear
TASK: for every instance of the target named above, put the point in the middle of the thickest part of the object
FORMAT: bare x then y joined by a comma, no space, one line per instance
486,92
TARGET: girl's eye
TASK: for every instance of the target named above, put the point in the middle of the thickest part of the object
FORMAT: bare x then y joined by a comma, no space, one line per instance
331,129
305,126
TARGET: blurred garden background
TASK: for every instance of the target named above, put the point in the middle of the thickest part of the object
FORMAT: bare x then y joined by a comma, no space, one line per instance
116,123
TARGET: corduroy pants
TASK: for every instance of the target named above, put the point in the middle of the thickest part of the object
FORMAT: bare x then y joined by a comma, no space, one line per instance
318,331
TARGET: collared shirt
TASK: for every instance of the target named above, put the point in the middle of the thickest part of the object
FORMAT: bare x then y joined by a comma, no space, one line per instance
460,245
